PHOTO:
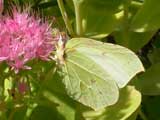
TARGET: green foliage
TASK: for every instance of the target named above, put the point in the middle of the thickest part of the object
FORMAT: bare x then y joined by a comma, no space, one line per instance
96,19
88,79
128,103
147,18
151,106
148,83
135,40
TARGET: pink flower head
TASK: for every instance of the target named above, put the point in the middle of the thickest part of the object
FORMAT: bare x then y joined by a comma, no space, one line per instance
22,87
24,37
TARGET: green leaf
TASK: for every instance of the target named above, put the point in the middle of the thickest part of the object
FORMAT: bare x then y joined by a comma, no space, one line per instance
149,82
124,109
103,5
125,37
151,105
65,105
129,102
136,40
46,113
133,116
96,19
54,91
54,83
100,24
148,17
93,70
19,114
154,56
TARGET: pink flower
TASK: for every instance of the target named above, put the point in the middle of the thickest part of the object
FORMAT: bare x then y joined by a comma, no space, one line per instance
23,38
22,87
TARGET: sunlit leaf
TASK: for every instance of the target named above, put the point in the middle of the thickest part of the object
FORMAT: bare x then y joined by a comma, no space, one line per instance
97,18
124,109
54,91
148,17
149,82
103,5
136,40
65,105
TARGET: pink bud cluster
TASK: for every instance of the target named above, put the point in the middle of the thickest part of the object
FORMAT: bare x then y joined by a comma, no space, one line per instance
23,38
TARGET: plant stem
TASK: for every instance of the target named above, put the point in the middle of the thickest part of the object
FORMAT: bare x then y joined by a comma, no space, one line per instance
29,111
12,113
3,115
65,17
142,115
126,26
78,15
